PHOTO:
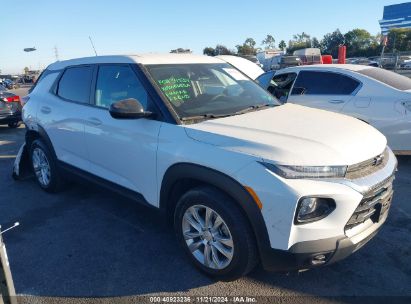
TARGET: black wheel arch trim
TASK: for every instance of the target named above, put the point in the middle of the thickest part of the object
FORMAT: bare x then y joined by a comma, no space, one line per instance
42,134
226,184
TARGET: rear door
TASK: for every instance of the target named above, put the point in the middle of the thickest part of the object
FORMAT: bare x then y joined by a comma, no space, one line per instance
62,114
323,90
122,151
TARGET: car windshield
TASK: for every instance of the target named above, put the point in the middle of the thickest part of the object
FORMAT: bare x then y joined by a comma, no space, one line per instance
208,91
392,79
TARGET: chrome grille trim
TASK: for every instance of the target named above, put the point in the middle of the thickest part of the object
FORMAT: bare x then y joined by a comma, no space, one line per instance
368,167
375,203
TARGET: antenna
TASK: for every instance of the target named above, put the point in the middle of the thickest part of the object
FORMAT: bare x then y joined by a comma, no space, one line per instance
92,44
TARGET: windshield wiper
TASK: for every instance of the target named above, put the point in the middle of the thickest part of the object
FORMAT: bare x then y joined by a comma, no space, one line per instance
204,116
213,116
253,108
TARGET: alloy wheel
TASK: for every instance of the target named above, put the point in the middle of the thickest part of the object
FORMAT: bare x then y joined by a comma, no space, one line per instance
41,166
208,237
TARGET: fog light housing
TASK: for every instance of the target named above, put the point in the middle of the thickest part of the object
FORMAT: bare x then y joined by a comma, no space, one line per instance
311,209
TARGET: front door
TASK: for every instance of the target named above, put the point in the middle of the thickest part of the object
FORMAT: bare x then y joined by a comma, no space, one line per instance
122,151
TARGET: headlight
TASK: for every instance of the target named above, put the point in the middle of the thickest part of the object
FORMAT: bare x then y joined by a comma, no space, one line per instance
312,209
306,172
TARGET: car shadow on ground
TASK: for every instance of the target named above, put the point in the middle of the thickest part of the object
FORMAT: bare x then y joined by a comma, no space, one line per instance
89,242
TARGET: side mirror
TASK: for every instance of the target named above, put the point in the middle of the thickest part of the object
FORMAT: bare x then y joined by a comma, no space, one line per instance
299,91
128,109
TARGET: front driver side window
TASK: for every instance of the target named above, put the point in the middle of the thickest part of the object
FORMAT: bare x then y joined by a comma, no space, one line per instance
118,82
281,85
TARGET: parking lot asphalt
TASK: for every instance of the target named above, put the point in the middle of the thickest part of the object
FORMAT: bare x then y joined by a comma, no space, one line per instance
88,242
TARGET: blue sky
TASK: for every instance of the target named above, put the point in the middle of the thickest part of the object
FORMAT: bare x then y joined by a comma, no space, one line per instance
127,26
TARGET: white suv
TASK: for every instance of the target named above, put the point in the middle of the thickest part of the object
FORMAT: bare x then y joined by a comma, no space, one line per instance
243,178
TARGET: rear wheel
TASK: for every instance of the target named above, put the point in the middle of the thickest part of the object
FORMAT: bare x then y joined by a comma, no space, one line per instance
44,167
215,234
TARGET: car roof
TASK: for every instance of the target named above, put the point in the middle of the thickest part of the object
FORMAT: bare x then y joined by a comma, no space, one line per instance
330,67
138,58
246,66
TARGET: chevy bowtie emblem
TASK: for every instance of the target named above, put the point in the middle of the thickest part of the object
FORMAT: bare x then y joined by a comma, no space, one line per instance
378,160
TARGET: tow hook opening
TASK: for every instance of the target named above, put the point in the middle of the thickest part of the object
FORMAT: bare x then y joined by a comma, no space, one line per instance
320,259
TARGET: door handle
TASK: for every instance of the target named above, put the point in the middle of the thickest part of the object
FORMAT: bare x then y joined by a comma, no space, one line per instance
94,121
336,101
45,110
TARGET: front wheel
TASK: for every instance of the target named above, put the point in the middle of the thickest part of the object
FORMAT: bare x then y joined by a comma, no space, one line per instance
215,234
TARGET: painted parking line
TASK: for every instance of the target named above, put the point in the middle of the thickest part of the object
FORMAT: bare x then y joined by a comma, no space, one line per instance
7,156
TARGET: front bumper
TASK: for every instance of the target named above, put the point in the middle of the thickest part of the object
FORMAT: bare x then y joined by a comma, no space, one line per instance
293,246
310,254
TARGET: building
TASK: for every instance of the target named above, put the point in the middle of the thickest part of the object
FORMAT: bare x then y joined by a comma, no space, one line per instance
396,16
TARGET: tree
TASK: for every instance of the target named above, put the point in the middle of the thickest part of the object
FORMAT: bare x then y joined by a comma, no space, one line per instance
250,42
209,51
247,48
282,45
26,71
269,42
222,50
399,40
299,41
331,42
315,43
361,43
218,50
303,37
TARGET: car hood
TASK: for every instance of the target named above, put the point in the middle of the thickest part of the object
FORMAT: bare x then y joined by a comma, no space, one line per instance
294,135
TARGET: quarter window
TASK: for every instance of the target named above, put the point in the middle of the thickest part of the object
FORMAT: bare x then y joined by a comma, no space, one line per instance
75,84
324,83
116,82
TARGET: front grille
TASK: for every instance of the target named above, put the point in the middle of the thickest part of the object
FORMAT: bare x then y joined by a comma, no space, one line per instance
374,205
368,167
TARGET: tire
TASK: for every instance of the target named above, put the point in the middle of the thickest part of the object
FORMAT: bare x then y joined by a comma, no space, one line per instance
40,156
240,258
14,124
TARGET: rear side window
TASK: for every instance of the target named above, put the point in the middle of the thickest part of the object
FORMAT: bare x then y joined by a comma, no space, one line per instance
75,84
390,78
324,83
39,79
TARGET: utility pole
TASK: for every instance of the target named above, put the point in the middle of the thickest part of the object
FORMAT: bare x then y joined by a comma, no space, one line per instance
384,44
56,52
